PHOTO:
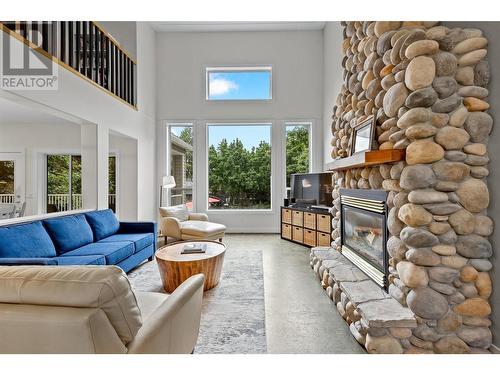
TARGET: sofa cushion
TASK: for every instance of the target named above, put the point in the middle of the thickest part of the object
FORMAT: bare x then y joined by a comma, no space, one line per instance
103,223
84,260
26,241
69,232
140,240
103,287
179,212
114,252
201,228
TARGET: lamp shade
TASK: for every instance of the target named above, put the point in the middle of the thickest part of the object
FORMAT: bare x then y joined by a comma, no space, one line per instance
168,182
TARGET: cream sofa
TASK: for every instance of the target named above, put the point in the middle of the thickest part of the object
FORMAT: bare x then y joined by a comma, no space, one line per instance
177,222
92,309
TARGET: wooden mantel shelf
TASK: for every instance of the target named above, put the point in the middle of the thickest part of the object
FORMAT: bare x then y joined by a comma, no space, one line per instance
366,158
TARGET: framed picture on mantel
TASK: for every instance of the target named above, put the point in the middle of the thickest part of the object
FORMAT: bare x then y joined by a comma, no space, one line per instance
362,136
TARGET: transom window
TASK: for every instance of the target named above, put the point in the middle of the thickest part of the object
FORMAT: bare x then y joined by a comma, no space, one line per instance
239,83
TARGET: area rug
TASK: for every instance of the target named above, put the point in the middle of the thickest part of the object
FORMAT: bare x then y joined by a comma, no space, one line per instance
233,315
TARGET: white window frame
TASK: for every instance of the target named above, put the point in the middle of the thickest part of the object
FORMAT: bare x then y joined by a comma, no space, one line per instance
309,124
168,157
232,69
271,181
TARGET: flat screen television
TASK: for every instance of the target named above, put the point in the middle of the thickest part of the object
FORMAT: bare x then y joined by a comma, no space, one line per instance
311,189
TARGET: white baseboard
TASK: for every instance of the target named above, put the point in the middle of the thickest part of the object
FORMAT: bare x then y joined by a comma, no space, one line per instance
252,230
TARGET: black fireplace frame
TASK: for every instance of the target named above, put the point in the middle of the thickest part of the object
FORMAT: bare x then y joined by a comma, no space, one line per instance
372,195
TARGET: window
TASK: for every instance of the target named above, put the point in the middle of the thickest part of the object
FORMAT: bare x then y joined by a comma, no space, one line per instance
239,166
239,83
181,164
297,149
64,183
7,181
112,183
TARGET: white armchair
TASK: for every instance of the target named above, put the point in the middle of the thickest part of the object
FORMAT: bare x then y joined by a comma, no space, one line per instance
177,222
92,309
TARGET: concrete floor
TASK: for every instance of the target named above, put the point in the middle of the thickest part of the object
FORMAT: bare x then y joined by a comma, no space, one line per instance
299,316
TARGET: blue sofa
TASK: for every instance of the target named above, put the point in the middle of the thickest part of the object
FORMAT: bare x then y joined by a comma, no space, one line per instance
95,237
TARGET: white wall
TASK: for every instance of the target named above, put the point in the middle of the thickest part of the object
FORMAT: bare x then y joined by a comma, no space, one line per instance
36,140
125,33
332,79
83,100
297,61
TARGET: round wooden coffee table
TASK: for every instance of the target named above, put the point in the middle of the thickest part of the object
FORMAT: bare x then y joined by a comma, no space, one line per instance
175,267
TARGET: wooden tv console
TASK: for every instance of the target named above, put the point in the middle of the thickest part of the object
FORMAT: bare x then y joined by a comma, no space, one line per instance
306,226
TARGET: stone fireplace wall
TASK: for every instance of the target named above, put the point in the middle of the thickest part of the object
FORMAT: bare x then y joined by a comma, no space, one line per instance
426,86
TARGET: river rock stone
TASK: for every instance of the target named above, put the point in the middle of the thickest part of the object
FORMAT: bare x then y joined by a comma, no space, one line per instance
417,177
448,104
414,215
476,162
482,73
479,125
474,195
449,238
443,274
423,257
473,307
396,248
414,116
446,63
479,337
388,81
421,47
462,222
465,75
451,345
383,345
474,104
423,151
482,265
452,138
476,149
483,225
468,274
420,131
442,209
394,99
442,288
423,196
472,58
382,26
425,97
475,91
416,237
483,285
444,86
373,89
384,42
469,45
451,171
439,227
458,117
454,155
445,250
412,275
450,322
474,246
427,303
394,225
420,73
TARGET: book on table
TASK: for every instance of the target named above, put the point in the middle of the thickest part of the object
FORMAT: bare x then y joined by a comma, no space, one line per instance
194,248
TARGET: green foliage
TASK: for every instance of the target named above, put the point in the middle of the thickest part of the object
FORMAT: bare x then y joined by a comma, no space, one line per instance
297,151
7,177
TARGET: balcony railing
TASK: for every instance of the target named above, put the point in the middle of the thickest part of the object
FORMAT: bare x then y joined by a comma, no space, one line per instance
82,47
62,202
7,198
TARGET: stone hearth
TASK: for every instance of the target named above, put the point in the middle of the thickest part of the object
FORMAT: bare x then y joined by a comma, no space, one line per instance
426,87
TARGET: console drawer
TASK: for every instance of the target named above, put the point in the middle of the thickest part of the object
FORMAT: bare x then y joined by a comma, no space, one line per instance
310,237
309,220
324,222
286,215
323,239
286,231
298,218
298,234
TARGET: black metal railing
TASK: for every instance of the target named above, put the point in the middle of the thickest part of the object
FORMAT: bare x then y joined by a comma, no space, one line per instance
87,49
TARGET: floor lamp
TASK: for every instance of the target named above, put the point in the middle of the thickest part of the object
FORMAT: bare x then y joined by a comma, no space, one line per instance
168,182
